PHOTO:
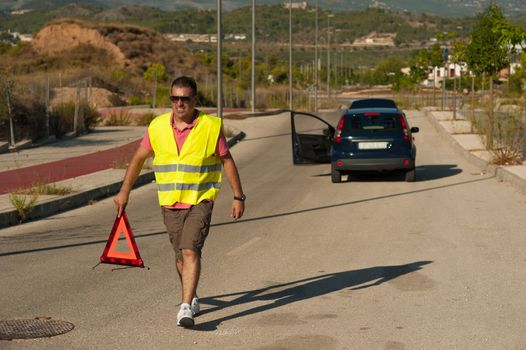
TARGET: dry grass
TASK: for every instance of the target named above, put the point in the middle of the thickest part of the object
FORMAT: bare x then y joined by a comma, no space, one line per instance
507,156
118,118
23,204
41,189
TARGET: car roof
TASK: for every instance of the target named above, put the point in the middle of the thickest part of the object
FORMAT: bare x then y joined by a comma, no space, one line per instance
373,103
378,109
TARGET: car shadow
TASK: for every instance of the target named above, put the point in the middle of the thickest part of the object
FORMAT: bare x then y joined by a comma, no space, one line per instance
436,171
423,173
278,295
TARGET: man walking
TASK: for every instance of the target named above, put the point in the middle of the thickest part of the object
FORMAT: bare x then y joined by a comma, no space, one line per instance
189,148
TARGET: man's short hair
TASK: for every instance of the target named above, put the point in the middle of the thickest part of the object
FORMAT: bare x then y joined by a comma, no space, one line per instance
185,82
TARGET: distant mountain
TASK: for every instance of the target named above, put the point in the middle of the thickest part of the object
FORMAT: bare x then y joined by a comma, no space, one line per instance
446,8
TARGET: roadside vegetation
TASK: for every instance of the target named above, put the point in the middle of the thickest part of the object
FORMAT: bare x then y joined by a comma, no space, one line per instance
23,204
24,200
486,43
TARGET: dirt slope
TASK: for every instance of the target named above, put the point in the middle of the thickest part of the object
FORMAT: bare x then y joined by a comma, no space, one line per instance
131,47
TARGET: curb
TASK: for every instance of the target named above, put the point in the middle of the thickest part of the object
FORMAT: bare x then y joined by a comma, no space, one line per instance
64,203
500,172
473,159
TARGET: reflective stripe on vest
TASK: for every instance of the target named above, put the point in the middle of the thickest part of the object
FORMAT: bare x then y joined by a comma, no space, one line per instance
186,187
193,175
186,168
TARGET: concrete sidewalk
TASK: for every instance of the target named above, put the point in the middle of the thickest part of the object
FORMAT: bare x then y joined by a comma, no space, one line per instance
459,134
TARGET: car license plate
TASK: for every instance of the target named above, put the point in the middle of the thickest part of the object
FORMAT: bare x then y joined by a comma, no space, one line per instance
372,145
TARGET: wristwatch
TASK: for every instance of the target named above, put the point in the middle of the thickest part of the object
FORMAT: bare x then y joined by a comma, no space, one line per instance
240,198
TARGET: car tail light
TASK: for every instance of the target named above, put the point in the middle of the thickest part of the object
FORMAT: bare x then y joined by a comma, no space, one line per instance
339,163
371,114
404,127
338,136
406,162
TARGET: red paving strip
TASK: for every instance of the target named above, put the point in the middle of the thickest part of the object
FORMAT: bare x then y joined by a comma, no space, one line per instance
59,170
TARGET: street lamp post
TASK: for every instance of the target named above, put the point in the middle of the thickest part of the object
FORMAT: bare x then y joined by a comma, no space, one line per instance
316,62
219,62
253,55
290,55
329,56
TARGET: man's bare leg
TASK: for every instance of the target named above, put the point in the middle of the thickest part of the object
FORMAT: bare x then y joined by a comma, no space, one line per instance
189,270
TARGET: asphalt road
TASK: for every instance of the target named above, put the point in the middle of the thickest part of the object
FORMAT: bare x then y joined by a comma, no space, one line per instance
374,263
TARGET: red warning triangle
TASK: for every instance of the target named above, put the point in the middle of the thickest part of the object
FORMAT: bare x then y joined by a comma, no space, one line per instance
111,255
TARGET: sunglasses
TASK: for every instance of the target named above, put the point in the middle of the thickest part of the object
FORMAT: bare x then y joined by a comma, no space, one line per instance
183,99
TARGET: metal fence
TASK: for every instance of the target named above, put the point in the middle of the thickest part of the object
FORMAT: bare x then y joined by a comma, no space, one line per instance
27,113
503,131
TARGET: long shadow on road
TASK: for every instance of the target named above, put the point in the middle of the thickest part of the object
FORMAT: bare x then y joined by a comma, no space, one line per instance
282,294
265,217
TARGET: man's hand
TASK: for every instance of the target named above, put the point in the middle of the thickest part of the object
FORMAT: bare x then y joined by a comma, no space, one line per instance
238,207
121,200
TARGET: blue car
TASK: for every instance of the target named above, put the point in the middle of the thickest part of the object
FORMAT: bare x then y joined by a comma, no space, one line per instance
366,139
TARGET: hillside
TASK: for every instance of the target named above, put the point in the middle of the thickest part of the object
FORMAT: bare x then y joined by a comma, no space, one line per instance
447,8
272,22
131,47
114,56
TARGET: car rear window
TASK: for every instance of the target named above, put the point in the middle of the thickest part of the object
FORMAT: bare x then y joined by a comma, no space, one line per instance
371,122
373,103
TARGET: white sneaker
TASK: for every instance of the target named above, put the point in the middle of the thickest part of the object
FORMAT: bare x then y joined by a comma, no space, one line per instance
195,307
185,318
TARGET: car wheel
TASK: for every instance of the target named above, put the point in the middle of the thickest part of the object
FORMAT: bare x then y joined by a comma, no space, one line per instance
410,175
336,176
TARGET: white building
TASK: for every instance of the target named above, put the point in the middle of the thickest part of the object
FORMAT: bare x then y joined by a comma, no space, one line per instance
449,70
295,5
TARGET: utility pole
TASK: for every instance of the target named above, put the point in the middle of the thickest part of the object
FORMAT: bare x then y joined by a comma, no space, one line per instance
316,62
154,102
8,86
219,62
290,55
253,55
47,107
329,56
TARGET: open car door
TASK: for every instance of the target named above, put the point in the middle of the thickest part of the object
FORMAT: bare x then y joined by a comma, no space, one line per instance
311,138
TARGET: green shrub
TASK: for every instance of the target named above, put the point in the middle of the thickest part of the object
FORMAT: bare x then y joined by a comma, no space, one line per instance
63,118
91,116
64,114
138,100
23,204
118,118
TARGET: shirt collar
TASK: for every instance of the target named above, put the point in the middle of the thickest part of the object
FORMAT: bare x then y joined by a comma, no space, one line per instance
188,126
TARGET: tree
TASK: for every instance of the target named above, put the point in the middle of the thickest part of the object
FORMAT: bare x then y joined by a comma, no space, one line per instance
431,57
150,72
511,36
485,53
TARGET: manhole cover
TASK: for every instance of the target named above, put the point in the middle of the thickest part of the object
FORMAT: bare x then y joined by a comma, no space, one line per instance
35,328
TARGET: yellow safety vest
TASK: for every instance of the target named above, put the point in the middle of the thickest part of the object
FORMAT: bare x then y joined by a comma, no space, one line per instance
195,174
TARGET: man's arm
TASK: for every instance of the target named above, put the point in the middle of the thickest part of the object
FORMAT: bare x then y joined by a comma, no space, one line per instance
238,207
121,199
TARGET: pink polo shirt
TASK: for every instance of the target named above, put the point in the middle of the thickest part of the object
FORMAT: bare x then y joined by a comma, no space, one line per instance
180,137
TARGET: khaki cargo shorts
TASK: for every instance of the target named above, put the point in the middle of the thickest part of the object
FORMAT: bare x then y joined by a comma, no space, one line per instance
188,228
